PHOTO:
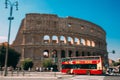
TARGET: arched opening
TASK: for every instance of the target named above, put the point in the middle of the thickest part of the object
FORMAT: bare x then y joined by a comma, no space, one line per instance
62,54
69,24
88,54
46,54
54,39
77,54
46,39
77,42
83,54
70,40
82,27
62,39
93,54
54,53
82,41
69,53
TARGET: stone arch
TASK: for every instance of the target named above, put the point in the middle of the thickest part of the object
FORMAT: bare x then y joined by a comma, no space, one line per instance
77,54
83,53
63,54
46,39
70,40
69,24
54,53
70,53
62,39
54,39
82,41
88,54
93,54
46,54
77,41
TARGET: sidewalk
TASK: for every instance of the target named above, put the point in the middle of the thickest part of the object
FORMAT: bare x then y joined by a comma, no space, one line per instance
37,76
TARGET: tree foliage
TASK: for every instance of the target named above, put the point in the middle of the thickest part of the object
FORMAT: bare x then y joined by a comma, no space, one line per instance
27,63
13,56
116,63
47,63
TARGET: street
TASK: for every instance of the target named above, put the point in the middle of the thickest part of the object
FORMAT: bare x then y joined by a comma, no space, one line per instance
55,76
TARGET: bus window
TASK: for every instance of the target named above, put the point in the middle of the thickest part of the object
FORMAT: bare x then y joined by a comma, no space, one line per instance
67,66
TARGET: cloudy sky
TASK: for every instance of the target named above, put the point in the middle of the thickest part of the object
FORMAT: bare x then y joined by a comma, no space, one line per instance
105,13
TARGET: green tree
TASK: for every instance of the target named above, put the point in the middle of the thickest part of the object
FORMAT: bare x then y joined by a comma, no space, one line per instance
47,63
13,56
27,63
116,63
2,55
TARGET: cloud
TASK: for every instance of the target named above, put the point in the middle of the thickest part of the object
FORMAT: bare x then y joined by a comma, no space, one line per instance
3,39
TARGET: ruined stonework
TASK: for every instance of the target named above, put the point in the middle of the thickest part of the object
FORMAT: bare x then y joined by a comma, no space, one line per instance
42,35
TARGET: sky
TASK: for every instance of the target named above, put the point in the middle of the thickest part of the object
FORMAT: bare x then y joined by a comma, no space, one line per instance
105,13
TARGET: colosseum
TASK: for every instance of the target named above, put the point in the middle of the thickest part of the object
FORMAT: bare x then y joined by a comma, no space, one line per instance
42,35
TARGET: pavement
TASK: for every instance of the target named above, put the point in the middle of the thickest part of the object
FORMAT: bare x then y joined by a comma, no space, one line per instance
55,76
35,76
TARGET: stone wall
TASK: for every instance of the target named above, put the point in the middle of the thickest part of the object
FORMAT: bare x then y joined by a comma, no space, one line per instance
42,35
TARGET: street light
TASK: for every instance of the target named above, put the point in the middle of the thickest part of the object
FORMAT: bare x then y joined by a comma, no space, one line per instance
113,52
7,2
54,53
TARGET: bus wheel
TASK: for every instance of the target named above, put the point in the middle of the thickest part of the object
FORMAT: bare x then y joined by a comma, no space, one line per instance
88,72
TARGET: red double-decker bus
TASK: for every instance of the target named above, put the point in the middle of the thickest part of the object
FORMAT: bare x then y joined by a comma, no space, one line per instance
82,65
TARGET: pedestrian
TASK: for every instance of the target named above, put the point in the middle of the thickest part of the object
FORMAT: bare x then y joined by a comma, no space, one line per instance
37,69
108,71
51,69
40,69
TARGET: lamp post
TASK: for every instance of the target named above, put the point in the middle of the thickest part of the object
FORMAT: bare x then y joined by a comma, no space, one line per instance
54,56
7,2
113,52
107,63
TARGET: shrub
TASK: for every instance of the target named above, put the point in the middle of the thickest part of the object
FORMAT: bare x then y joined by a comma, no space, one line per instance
27,63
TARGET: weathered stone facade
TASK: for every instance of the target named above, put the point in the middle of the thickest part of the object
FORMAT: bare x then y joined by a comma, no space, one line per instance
41,35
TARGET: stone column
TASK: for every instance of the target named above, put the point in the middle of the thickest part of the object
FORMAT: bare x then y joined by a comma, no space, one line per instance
66,40
23,53
85,42
58,39
73,41
90,43
23,42
74,52
50,39
59,58
32,53
32,38
66,52
59,53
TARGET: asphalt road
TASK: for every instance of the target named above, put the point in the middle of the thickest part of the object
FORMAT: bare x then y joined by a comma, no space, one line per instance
55,76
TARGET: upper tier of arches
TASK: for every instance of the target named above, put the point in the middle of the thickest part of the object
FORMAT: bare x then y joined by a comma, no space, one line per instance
68,40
